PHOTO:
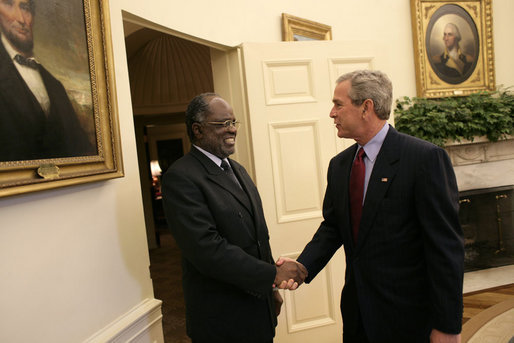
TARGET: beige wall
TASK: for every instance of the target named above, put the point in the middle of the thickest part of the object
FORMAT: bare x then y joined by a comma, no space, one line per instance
74,260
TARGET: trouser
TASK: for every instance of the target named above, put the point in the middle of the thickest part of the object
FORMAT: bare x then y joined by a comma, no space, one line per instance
358,336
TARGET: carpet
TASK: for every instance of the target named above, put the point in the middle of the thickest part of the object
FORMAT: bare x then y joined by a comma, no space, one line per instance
166,273
493,325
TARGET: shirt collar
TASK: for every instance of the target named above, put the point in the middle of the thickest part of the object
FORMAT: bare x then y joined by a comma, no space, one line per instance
214,158
372,148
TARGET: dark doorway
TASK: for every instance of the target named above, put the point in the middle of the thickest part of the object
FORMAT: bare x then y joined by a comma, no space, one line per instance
162,139
165,72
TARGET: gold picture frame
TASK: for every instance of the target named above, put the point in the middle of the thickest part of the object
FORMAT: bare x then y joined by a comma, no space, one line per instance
299,29
453,47
82,30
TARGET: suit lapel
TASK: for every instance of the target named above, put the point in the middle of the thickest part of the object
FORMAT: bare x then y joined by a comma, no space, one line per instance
14,88
381,178
247,185
218,176
341,181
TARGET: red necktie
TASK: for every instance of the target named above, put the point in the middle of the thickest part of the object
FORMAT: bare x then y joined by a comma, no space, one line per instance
357,191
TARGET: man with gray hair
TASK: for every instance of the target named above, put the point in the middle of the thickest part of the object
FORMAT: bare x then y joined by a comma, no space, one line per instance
37,119
453,62
392,202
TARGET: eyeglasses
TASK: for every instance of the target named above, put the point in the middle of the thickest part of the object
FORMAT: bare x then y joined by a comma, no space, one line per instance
225,124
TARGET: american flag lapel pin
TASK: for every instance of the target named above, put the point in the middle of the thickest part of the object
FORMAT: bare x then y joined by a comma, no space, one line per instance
384,179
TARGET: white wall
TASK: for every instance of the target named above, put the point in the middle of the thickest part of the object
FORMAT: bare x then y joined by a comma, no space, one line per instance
75,259
503,28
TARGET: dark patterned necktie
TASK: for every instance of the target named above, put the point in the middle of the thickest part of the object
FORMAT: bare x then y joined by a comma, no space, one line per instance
29,62
226,168
357,191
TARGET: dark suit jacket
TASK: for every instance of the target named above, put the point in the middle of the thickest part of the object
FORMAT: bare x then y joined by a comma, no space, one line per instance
25,132
405,273
227,269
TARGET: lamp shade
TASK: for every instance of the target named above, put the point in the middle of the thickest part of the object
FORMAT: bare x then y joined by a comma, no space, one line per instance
155,168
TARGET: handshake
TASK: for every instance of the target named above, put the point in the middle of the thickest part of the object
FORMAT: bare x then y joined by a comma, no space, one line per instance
290,273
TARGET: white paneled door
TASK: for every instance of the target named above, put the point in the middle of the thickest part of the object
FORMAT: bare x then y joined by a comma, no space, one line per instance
291,139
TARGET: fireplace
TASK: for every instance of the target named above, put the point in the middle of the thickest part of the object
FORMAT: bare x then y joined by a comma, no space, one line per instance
485,177
486,217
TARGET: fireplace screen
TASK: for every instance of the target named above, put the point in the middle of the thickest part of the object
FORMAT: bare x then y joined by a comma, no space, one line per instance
487,223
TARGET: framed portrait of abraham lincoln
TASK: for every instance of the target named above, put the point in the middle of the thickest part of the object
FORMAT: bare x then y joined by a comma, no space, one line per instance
58,112
453,47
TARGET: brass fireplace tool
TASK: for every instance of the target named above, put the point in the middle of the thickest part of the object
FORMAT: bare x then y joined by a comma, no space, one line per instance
501,247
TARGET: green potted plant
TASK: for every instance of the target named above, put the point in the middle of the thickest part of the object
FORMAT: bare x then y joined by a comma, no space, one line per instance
441,120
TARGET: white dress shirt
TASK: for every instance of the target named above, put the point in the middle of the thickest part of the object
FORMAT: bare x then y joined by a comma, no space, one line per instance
372,148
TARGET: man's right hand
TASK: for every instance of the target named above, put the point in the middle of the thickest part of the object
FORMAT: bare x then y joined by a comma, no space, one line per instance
290,273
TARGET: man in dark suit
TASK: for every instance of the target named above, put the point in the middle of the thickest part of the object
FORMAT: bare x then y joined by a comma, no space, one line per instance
404,256
215,214
37,119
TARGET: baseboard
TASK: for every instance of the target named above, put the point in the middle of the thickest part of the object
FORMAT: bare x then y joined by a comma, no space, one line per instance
142,324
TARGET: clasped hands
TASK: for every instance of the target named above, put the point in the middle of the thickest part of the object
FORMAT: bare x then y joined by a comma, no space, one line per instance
290,273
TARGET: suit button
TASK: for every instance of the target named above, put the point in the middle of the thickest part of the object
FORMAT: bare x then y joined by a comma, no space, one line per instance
240,215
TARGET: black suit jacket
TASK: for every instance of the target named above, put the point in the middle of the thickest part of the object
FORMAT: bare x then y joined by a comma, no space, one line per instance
404,275
227,269
25,131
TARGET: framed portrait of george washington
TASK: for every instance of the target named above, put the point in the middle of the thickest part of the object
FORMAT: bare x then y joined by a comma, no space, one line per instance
453,47
58,112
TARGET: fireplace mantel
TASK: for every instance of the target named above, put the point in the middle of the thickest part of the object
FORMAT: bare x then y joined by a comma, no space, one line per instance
481,163
480,150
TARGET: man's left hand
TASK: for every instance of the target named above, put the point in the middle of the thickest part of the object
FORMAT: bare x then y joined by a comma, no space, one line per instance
278,301
440,337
